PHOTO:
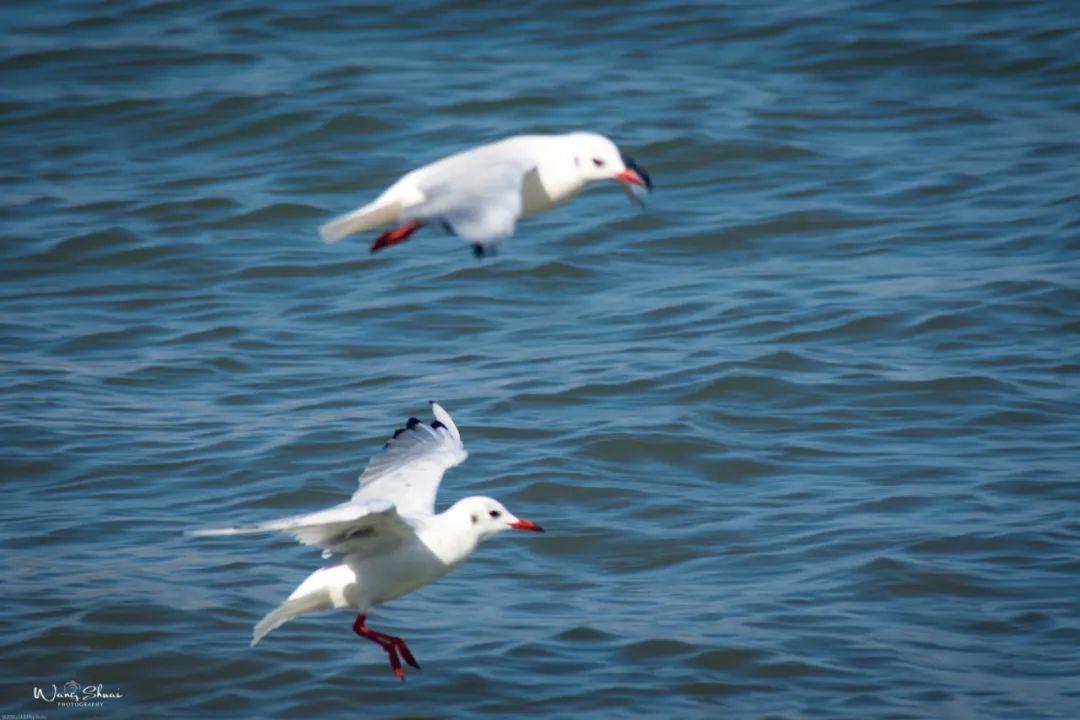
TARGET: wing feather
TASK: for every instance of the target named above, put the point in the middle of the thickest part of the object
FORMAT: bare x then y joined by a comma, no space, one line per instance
351,527
477,193
397,490
411,465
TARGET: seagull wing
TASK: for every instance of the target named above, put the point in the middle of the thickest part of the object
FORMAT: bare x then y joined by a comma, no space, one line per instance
476,194
410,467
355,527
400,481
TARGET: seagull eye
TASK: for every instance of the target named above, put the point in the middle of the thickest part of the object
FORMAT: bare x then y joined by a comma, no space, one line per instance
598,162
494,513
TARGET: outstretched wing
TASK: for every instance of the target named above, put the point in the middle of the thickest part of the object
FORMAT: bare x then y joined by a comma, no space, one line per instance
408,470
356,527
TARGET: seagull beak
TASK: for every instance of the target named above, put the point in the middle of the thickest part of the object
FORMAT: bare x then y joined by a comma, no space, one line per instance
635,182
525,525
634,175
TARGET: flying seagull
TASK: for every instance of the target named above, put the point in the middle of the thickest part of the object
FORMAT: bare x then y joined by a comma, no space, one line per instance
479,194
387,540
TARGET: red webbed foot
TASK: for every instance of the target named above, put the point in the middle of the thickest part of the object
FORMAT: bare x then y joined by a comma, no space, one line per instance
399,234
390,643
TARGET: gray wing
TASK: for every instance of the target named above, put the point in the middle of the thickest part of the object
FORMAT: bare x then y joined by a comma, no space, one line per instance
476,195
408,471
354,527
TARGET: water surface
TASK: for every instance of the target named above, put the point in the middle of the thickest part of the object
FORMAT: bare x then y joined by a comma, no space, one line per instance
804,434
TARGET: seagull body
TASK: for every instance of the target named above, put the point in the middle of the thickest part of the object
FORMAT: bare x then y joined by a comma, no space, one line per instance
479,194
387,539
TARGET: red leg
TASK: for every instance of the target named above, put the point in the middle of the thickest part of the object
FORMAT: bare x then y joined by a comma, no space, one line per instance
400,646
390,643
399,234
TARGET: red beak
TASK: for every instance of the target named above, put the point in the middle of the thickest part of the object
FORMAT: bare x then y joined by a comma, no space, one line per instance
526,525
631,177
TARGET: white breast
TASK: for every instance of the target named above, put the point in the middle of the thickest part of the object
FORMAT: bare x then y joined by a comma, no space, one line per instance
552,182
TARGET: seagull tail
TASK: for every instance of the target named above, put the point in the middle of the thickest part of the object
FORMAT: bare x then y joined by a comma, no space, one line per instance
365,218
287,611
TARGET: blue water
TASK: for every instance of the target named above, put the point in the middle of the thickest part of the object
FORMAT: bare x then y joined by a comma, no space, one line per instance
804,434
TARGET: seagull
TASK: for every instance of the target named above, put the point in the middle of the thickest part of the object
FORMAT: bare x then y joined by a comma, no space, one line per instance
479,194
387,540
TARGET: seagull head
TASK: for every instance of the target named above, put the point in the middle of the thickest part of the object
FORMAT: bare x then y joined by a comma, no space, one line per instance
596,158
488,517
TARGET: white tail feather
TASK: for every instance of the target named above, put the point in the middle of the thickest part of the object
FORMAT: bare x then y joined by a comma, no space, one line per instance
370,216
287,611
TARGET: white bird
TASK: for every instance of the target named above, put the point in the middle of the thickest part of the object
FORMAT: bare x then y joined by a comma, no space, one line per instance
387,539
479,194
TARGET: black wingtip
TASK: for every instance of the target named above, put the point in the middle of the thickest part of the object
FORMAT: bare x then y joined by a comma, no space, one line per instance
413,422
438,424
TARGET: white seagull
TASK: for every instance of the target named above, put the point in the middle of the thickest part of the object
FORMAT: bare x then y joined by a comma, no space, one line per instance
387,540
479,194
